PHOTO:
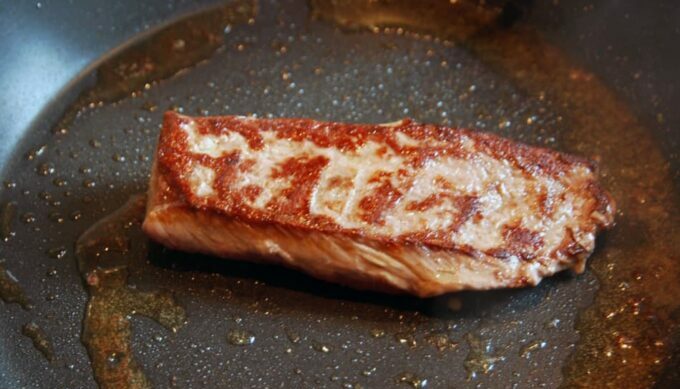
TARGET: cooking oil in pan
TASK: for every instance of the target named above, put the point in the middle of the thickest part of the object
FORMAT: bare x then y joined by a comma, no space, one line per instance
103,256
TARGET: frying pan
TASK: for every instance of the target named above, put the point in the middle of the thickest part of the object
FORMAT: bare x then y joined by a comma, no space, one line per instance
84,85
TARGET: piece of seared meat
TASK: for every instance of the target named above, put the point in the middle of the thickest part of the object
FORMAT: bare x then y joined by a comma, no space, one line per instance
404,207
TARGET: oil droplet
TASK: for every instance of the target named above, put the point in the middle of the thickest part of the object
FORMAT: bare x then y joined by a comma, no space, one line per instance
480,359
368,372
45,196
28,217
95,143
411,379
38,151
406,338
321,347
114,358
45,169
149,106
118,157
293,336
554,323
56,217
89,183
239,337
7,212
39,338
60,182
76,215
57,252
11,291
377,333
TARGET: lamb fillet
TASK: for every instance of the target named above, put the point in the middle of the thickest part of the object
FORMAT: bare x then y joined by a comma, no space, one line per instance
404,207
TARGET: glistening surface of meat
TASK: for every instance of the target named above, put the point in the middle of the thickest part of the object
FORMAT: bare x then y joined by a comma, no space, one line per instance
405,207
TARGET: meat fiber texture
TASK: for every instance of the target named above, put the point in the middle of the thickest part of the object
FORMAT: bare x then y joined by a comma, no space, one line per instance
401,207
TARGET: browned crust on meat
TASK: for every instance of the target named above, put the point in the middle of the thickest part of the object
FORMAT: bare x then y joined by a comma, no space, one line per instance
292,209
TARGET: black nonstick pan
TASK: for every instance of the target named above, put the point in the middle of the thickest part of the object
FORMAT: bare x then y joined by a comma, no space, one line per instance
84,84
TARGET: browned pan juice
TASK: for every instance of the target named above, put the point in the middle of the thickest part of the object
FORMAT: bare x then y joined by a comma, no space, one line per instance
625,334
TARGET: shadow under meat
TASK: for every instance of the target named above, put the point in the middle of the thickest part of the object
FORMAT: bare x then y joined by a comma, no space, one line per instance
452,305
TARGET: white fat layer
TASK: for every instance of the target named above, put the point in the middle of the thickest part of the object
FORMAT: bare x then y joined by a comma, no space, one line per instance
503,192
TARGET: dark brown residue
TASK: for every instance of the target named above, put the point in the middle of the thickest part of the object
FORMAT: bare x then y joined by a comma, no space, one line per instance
11,291
39,338
103,257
